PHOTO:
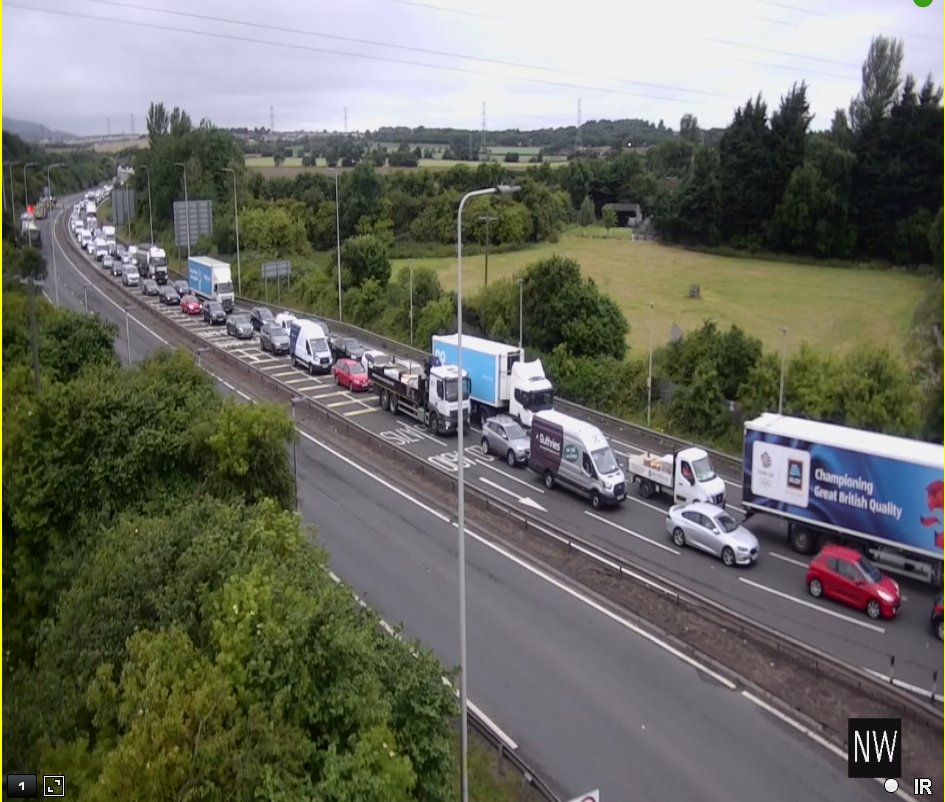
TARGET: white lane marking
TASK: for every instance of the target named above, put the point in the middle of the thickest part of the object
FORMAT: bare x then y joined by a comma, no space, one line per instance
327,395
516,496
364,411
298,380
905,685
661,510
308,389
630,532
816,737
286,373
344,403
790,560
819,608
529,485
502,734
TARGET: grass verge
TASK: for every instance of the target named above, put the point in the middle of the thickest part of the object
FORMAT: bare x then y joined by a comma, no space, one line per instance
490,780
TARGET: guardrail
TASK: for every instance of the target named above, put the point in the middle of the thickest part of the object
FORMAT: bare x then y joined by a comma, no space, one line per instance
655,439
819,662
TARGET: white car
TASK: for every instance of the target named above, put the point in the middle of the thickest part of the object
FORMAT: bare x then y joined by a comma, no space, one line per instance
711,529
372,357
130,277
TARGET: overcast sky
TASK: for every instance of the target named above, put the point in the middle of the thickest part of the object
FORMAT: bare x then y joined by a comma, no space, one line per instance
529,60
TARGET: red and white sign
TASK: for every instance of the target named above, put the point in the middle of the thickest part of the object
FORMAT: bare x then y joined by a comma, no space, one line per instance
590,796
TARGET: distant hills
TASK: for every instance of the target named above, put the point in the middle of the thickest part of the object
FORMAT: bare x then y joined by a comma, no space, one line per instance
34,132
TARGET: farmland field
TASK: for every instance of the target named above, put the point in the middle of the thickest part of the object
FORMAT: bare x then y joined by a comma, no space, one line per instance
293,165
830,307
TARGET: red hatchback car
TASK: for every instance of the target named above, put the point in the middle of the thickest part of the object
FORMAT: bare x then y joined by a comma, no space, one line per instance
846,576
189,305
351,374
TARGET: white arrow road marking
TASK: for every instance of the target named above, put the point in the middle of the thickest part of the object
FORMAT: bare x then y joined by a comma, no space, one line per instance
521,499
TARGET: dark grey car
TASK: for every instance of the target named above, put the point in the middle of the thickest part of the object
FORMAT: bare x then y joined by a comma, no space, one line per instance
169,295
346,348
182,287
214,313
505,436
272,338
260,316
240,326
150,287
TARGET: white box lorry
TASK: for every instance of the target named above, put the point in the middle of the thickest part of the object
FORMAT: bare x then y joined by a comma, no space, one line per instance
502,381
209,279
686,475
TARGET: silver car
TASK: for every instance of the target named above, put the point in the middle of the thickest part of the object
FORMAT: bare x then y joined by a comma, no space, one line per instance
505,436
711,529
129,277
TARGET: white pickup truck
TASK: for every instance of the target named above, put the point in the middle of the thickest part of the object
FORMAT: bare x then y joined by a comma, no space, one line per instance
687,475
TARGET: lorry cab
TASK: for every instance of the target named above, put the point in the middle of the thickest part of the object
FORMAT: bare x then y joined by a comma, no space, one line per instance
443,395
686,475
576,455
308,346
531,391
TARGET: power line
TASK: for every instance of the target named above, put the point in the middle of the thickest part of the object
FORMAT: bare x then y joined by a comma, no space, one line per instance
374,43
450,10
346,54
784,53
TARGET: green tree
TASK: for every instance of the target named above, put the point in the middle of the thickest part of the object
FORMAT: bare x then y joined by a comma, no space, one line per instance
694,212
437,317
586,215
30,267
367,257
878,393
689,129
609,217
881,80
698,407
157,122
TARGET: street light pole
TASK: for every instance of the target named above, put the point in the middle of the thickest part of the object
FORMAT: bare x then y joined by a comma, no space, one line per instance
52,237
128,334
411,302
85,295
338,237
12,196
295,459
186,205
488,221
463,732
236,212
26,199
649,375
150,216
521,316
784,332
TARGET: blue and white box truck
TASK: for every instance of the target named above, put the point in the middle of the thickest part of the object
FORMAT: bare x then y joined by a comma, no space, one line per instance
211,280
880,493
502,381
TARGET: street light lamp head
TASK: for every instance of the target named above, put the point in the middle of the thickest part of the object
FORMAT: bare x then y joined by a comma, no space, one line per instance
507,189
296,399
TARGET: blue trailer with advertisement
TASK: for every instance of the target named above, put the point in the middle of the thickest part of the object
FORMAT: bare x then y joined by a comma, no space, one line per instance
879,493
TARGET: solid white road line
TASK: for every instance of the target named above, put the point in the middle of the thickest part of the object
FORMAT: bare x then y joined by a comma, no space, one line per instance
819,608
791,560
630,532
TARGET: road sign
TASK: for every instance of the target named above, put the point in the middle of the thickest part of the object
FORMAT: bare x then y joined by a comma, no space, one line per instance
123,206
281,269
590,796
200,213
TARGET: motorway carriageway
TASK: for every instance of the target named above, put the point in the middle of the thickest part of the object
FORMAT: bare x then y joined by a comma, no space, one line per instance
772,592
593,701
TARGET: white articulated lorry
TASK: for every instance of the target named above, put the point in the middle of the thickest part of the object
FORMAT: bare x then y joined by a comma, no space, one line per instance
501,379
879,493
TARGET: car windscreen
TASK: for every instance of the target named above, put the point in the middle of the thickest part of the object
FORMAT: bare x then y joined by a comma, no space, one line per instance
225,286
703,469
726,522
240,320
870,571
605,461
318,345
515,432
356,367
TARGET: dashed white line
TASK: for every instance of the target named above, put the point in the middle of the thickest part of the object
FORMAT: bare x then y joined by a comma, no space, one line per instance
630,532
529,485
790,560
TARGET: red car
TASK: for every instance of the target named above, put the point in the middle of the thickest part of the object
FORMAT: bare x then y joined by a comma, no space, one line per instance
351,374
846,576
935,622
189,305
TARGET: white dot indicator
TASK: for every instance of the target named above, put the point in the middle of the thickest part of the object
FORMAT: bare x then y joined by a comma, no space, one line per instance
891,785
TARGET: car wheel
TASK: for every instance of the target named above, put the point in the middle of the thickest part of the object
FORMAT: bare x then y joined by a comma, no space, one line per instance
646,488
873,609
679,537
337,380
595,499
939,630
510,458
484,446
815,588
549,480
728,557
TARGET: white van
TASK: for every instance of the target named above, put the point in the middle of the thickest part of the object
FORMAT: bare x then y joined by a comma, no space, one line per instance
285,320
576,455
101,249
308,345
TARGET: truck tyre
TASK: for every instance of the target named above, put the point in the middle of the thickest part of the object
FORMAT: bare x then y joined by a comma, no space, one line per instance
679,537
873,609
484,446
510,458
393,404
646,488
426,418
815,588
549,480
595,499
728,557
484,414
383,399
802,540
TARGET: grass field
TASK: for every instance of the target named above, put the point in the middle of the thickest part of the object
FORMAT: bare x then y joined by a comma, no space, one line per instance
830,307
